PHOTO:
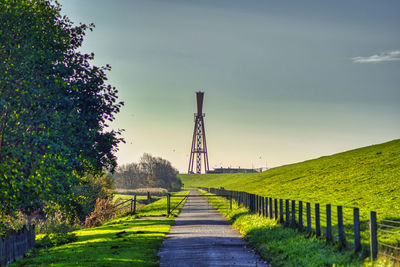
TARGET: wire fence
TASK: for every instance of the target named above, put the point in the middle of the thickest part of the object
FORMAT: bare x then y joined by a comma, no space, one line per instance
366,232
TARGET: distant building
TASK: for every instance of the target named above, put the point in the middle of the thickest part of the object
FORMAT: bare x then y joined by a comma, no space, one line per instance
234,170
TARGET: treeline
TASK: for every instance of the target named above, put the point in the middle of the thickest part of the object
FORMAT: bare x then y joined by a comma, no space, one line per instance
149,172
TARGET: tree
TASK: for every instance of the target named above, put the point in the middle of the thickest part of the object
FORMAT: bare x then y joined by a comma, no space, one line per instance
54,108
149,172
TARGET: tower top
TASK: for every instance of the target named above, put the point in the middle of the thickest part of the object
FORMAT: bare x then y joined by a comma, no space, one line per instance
199,97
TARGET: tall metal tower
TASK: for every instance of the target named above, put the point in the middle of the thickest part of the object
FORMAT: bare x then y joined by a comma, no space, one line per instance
199,145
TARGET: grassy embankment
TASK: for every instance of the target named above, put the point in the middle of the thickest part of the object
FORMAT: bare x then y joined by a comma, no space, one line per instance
367,178
126,241
281,246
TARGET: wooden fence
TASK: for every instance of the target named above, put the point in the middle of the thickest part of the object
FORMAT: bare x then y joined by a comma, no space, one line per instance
16,245
345,226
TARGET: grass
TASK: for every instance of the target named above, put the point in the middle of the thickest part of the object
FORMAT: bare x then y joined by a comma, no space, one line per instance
368,178
127,241
282,246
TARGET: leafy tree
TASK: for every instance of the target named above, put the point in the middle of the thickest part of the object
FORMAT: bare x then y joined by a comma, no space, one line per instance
54,108
149,172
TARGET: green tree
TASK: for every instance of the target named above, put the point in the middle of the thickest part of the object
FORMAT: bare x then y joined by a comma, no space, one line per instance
149,172
54,108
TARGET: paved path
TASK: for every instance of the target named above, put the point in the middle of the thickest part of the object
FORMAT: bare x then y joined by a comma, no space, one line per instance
201,236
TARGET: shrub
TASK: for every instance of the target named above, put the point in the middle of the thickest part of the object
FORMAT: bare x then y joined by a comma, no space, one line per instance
103,211
56,239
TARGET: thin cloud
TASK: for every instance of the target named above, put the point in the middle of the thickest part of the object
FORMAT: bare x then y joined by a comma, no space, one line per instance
383,57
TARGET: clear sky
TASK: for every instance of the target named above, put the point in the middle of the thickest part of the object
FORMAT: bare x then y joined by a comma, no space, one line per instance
284,81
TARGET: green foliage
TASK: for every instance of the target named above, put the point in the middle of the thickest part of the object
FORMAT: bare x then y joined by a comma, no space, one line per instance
54,108
57,239
282,246
367,178
91,188
149,172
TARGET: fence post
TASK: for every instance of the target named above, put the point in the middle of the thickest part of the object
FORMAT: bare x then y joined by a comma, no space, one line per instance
134,204
287,210
342,237
373,235
281,210
231,201
271,210
328,223
276,208
168,203
300,215
263,206
317,221
293,223
308,211
266,207
357,237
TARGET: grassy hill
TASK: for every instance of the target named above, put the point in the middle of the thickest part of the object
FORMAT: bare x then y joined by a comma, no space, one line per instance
367,177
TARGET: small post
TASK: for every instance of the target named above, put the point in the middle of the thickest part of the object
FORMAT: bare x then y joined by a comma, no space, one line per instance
276,208
148,196
266,207
342,238
134,204
308,210
328,223
373,235
300,215
131,206
271,211
357,236
281,210
317,221
293,223
287,209
263,206
168,204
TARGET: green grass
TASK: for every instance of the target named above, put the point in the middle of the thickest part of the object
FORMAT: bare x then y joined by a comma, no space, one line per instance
137,245
282,246
368,178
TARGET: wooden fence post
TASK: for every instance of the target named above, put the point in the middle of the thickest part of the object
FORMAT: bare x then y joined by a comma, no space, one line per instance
270,208
317,221
281,210
276,208
357,236
134,204
293,223
300,215
287,211
328,223
168,203
263,206
308,211
342,237
373,235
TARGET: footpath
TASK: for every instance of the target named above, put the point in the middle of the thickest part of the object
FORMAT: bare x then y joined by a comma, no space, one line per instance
201,236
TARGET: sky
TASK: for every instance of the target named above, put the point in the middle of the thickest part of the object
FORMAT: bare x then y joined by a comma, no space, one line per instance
284,81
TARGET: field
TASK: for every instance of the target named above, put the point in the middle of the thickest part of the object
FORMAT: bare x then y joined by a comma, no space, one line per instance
368,178
127,241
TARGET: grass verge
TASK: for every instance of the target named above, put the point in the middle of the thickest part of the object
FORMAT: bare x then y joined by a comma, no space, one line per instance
282,246
127,241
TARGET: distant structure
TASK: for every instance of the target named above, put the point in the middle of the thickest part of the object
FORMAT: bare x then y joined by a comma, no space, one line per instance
234,170
199,145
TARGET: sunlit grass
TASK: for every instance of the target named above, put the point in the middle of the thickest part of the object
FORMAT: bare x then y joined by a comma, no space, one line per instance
126,241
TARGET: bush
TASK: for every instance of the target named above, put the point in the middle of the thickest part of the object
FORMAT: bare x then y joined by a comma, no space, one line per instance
103,211
56,239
